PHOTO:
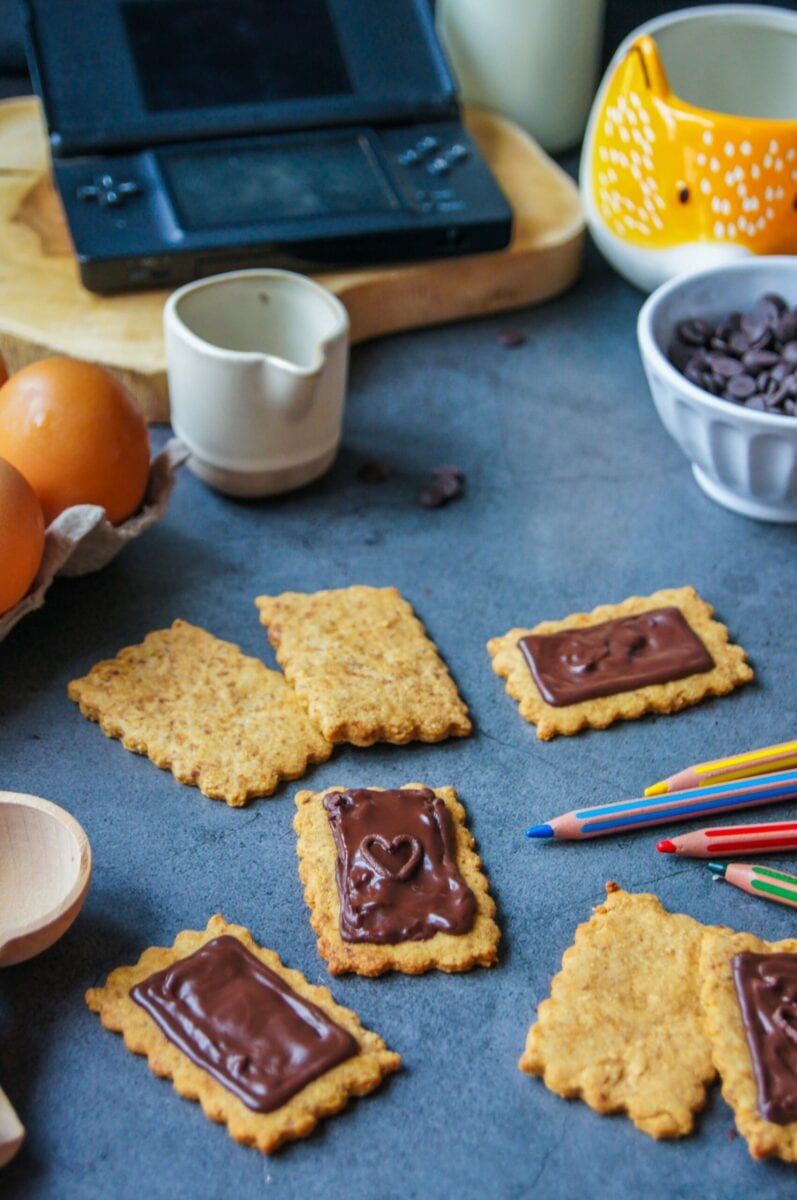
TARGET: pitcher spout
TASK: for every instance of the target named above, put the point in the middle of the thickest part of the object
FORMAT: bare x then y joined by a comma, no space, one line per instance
290,388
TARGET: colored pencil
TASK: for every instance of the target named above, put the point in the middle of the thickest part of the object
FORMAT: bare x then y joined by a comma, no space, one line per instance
725,841
628,815
758,881
724,770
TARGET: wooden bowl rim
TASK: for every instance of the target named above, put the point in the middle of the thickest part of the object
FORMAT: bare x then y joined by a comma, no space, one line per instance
78,889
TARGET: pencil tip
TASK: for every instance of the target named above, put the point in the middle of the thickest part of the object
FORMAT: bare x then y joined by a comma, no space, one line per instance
540,831
718,869
665,846
656,789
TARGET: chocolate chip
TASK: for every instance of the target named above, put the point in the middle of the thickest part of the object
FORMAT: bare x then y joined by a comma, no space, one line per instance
450,485
758,360
732,322
429,495
694,332
762,342
753,326
747,358
785,327
724,366
680,355
447,483
771,306
510,338
740,387
372,472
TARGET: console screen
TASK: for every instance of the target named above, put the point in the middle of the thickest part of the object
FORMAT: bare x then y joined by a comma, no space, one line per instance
217,53
241,184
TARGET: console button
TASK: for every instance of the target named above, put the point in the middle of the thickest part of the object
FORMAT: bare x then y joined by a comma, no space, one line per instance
439,166
408,158
427,144
107,192
457,153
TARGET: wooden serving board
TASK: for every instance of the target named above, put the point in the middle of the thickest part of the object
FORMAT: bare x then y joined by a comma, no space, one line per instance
44,309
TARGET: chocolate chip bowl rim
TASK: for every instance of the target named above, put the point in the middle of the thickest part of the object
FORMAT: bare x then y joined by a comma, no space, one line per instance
653,340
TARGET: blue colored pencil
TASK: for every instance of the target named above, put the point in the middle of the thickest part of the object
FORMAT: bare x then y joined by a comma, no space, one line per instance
627,815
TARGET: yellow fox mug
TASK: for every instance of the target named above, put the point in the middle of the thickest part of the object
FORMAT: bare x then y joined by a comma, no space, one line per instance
690,154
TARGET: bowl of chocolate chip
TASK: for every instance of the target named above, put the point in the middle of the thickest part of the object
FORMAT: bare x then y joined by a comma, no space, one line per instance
719,348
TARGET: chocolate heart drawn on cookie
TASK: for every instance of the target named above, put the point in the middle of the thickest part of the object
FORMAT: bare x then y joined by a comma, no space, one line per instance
391,862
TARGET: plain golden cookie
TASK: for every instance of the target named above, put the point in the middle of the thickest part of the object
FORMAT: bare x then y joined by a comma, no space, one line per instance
730,668
723,1018
442,952
200,708
622,1028
296,1118
362,664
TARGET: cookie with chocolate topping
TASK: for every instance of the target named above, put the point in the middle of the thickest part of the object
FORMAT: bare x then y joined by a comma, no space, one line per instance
657,653
393,882
261,1049
749,995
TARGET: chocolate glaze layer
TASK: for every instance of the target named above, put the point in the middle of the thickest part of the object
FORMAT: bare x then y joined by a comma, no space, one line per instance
243,1024
396,870
615,656
766,985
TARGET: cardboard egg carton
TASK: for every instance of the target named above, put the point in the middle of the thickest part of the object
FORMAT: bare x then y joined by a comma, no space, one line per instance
82,539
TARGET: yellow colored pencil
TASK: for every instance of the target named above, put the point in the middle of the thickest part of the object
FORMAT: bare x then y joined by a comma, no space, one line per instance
724,770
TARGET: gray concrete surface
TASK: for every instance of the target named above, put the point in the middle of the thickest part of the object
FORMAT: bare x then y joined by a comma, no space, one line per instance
575,496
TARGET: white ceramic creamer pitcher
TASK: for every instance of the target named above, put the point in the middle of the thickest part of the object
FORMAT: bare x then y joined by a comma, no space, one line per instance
257,365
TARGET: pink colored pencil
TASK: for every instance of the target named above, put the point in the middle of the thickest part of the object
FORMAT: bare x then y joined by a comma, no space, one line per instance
726,841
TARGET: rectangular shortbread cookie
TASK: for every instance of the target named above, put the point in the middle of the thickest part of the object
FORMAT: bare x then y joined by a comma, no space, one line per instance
443,951
723,1019
299,1115
199,707
730,668
622,1028
361,662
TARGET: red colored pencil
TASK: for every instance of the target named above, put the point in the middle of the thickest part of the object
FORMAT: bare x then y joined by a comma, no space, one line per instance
726,841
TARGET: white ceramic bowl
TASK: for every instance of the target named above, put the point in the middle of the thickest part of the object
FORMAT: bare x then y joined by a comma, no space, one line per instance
743,459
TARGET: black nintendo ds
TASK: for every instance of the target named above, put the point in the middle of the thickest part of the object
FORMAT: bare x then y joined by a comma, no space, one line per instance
190,137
